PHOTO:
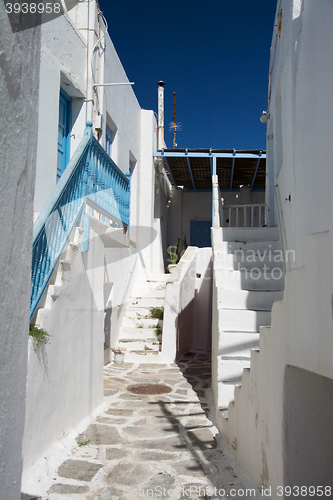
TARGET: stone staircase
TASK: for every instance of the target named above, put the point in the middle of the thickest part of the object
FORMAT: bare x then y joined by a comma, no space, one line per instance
248,268
141,333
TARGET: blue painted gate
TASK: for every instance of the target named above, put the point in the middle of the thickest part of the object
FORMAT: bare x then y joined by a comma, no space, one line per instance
200,233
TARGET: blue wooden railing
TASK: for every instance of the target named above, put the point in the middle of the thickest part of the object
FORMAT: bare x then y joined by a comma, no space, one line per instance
90,176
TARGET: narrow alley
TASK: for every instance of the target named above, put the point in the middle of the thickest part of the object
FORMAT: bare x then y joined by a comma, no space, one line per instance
149,445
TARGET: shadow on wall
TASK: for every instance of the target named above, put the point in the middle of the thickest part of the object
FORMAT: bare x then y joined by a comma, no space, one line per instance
194,321
308,430
184,328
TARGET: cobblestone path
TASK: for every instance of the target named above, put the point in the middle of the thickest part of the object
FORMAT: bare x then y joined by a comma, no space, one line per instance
150,446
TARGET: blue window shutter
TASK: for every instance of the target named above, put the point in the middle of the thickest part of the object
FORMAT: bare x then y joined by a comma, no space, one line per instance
64,127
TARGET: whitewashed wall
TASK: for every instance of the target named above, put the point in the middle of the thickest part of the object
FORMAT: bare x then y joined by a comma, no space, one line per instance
149,240
65,377
162,197
19,76
63,62
188,305
278,427
121,105
301,122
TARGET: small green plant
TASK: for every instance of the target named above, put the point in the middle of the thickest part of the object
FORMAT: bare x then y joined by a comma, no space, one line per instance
40,337
157,312
174,252
83,443
158,330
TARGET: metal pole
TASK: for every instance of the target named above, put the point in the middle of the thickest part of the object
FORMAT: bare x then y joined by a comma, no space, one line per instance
174,121
160,126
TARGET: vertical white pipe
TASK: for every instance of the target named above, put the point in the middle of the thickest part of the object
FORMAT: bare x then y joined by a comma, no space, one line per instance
160,126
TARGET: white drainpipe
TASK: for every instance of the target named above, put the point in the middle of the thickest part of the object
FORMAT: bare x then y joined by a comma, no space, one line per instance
160,115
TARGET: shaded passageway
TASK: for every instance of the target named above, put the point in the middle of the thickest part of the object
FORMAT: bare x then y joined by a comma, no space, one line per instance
148,446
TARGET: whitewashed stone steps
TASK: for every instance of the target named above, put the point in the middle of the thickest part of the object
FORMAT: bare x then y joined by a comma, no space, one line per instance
243,320
138,322
250,234
152,293
246,290
230,247
147,302
233,361
139,312
132,345
237,344
139,333
257,300
249,259
250,280
157,278
135,333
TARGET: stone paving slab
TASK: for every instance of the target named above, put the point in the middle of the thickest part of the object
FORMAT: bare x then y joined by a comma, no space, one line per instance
100,434
149,446
78,469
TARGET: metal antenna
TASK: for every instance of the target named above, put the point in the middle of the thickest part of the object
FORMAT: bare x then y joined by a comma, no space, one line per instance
173,125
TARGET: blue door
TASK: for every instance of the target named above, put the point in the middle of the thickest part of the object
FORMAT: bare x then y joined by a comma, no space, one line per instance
200,233
63,132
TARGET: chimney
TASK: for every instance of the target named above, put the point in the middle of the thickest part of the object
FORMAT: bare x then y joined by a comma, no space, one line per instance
160,126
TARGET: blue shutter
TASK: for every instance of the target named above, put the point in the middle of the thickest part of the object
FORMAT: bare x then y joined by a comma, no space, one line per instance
63,132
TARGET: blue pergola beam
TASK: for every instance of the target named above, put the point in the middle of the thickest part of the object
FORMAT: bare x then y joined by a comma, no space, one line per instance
189,167
207,155
256,170
233,168
170,172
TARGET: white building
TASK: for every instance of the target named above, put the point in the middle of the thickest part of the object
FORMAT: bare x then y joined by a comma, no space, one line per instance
279,422
19,76
107,228
80,298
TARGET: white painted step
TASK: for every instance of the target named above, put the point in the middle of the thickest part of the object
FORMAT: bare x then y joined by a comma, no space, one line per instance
234,356
248,259
230,372
147,302
153,278
148,293
242,320
249,280
142,356
137,333
250,234
237,345
244,299
230,247
139,346
139,312
136,321
229,376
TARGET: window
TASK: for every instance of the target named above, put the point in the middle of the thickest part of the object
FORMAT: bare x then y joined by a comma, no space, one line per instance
64,126
109,137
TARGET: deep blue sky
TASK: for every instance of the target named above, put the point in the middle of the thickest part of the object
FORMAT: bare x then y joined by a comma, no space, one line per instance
214,54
